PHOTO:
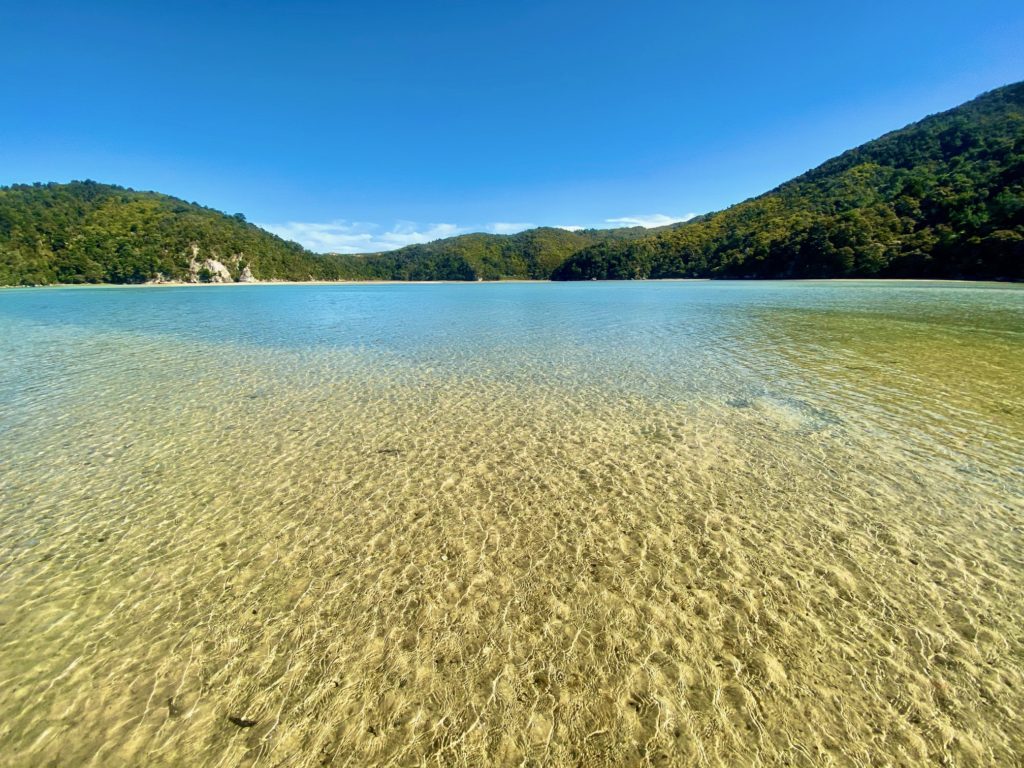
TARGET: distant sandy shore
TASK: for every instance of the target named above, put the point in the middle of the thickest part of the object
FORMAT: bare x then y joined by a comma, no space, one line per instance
885,280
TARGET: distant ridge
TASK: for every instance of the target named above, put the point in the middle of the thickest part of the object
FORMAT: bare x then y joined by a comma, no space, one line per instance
942,198
86,232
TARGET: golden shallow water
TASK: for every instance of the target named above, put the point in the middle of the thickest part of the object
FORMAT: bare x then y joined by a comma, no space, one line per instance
238,555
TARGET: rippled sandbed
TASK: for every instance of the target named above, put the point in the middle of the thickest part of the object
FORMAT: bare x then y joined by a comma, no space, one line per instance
683,524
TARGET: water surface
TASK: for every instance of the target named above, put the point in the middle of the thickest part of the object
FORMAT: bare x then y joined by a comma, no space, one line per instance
695,523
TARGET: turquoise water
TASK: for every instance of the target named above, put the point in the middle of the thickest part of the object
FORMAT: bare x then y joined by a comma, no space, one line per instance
604,523
670,336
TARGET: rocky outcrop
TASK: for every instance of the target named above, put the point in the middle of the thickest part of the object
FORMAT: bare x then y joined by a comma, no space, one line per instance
208,271
246,275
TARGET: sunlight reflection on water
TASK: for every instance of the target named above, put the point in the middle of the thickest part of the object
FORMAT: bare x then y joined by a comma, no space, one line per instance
581,524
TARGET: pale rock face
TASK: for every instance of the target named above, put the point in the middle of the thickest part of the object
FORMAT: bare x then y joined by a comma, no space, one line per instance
246,276
218,272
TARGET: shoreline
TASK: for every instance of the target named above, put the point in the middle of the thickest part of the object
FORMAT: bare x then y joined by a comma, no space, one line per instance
517,281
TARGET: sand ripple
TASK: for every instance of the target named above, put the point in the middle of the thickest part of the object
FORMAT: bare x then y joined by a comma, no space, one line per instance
254,555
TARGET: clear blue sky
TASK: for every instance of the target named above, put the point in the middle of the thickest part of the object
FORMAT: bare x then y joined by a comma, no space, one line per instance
370,124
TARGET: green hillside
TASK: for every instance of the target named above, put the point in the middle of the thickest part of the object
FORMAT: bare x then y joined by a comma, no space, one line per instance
85,232
943,197
533,254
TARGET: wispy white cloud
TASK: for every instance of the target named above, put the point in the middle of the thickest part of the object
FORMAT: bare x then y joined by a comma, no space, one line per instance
509,227
409,232
650,220
343,236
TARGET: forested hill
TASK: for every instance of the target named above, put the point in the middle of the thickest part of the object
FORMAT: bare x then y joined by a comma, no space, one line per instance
85,232
533,254
943,197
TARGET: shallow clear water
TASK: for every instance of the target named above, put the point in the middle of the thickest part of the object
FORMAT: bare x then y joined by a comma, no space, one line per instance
613,523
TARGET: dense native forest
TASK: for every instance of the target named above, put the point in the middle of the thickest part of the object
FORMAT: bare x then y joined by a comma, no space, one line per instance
84,232
943,197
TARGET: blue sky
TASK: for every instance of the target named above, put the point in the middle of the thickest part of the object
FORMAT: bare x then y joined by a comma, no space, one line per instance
358,126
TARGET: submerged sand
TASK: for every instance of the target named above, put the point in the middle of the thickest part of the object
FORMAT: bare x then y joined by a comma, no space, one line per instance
302,557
